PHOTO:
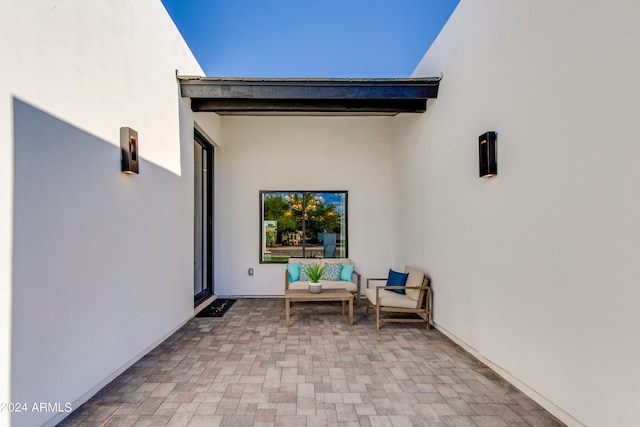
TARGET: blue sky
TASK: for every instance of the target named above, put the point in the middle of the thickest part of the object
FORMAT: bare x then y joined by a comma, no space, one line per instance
303,38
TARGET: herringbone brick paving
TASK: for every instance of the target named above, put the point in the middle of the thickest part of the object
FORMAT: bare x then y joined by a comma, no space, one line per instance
248,369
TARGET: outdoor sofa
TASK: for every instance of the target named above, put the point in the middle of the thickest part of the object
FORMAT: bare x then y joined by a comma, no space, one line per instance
340,274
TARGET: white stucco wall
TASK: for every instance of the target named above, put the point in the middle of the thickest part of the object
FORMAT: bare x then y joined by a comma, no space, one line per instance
300,153
536,269
100,264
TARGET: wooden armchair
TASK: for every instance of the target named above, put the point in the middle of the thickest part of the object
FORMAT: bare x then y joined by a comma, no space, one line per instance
415,300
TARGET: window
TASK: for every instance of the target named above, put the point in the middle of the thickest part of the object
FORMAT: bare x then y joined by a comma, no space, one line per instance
307,224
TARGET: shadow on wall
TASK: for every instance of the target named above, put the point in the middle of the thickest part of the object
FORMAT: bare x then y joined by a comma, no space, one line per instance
90,246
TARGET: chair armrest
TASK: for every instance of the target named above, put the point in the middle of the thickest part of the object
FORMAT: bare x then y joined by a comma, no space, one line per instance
286,279
401,287
375,278
425,284
358,276
358,279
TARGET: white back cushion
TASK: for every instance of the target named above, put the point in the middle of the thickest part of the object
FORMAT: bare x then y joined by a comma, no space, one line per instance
415,279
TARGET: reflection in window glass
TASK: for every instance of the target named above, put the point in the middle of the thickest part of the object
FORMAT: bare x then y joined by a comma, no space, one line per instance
303,224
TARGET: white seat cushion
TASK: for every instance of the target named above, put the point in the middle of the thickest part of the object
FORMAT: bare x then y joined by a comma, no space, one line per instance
326,284
390,299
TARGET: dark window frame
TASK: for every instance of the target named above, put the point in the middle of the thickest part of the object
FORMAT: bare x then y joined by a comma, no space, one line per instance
307,251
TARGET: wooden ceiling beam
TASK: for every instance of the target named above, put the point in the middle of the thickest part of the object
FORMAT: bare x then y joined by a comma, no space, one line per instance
388,96
223,106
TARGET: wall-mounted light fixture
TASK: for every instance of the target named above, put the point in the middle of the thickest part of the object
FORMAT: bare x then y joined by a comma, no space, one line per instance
487,151
129,150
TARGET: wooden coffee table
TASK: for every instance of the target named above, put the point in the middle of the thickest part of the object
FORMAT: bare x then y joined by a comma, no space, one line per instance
326,295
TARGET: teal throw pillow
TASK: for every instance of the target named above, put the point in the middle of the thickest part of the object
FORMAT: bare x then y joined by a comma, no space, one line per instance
346,272
397,279
294,272
332,271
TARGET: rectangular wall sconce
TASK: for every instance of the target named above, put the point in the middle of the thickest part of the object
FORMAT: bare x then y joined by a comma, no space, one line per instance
487,151
129,150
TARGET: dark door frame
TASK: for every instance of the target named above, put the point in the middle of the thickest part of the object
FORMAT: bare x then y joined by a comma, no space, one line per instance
207,147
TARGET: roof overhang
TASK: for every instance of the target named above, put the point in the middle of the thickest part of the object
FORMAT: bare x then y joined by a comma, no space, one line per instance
309,96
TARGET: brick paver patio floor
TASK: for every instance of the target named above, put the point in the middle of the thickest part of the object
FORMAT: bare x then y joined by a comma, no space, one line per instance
248,369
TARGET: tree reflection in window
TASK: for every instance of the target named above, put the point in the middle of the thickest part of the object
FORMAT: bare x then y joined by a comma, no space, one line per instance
308,224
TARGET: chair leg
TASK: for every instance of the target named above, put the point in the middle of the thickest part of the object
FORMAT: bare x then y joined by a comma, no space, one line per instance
427,322
378,316
428,308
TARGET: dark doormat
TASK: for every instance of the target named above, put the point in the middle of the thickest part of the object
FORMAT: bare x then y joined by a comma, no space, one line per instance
217,308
